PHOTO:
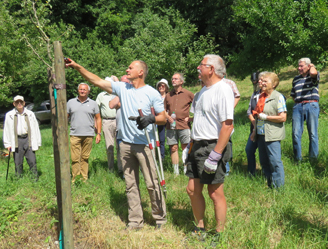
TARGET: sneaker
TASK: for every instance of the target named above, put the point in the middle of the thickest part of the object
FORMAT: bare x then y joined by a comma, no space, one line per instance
199,233
176,169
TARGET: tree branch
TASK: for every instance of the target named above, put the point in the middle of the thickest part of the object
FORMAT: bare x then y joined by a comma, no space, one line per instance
34,51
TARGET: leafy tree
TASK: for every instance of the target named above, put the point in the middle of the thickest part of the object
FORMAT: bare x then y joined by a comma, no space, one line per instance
12,57
167,44
278,33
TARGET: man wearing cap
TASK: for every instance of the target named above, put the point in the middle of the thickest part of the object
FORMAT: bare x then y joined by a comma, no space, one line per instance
108,116
163,87
178,100
83,113
305,93
21,135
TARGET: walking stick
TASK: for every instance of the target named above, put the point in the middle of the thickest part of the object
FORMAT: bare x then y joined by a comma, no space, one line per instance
159,152
162,182
8,165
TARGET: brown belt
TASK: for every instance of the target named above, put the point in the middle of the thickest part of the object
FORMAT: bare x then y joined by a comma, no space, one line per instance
308,101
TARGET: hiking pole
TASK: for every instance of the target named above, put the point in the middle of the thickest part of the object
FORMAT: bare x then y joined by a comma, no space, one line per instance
152,152
154,156
159,153
8,165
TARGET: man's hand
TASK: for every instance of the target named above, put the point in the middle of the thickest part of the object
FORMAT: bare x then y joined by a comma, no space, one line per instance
114,78
144,121
70,63
98,138
170,119
263,116
9,148
253,136
211,163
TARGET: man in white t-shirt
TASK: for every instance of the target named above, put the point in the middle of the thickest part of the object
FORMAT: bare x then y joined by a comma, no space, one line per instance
134,148
212,127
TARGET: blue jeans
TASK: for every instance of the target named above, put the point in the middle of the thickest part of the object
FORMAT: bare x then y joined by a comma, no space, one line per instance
161,136
250,149
270,159
308,112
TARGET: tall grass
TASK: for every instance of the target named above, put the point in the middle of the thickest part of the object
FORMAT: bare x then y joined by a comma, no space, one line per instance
295,216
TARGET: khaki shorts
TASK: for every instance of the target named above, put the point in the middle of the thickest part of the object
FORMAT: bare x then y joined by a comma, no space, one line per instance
174,136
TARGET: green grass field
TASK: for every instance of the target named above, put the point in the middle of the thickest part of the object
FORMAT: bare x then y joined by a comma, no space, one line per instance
293,217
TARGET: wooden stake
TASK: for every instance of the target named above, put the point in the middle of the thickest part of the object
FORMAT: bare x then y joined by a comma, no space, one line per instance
62,131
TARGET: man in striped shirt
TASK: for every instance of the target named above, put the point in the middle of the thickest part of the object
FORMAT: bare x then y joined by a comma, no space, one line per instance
305,92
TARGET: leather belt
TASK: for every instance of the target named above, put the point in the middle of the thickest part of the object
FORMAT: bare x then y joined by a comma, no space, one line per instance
22,136
109,118
308,101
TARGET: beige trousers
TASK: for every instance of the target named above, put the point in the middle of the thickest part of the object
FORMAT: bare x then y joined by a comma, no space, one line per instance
132,156
80,152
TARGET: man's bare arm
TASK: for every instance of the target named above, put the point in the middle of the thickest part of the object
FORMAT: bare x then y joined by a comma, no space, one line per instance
160,118
90,77
115,103
236,102
224,136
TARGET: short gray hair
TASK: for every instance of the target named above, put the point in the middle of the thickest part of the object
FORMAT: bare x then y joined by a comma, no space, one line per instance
84,84
144,68
181,76
306,60
218,63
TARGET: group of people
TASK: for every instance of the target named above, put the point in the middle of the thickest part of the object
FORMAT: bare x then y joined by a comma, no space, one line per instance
208,141
267,113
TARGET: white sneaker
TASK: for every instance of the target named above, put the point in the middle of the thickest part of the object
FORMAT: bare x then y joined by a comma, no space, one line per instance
176,169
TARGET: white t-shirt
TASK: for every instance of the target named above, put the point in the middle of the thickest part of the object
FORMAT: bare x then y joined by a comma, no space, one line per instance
215,104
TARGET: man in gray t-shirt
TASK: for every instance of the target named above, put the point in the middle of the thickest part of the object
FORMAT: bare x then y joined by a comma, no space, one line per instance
83,112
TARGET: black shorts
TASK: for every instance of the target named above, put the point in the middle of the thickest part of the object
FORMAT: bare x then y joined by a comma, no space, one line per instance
199,153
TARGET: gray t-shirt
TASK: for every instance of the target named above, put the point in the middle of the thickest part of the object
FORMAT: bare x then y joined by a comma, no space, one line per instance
82,116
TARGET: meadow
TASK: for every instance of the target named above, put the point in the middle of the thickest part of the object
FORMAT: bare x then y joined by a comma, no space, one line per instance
295,216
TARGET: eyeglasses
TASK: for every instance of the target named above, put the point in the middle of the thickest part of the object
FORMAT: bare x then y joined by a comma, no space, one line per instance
160,86
205,65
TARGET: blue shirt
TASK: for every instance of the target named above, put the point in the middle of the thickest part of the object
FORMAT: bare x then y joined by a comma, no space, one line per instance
133,99
305,88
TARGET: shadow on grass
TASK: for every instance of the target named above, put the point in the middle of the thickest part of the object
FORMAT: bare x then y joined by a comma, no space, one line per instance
120,206
181,217
95,165
304,225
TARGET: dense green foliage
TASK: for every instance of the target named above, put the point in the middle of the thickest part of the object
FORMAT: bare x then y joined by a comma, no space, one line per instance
105,36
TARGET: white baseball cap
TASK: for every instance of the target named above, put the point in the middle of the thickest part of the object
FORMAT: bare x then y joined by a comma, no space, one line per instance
163,81
18,97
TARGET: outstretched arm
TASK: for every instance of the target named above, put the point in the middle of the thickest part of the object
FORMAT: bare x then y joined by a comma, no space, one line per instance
90,77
